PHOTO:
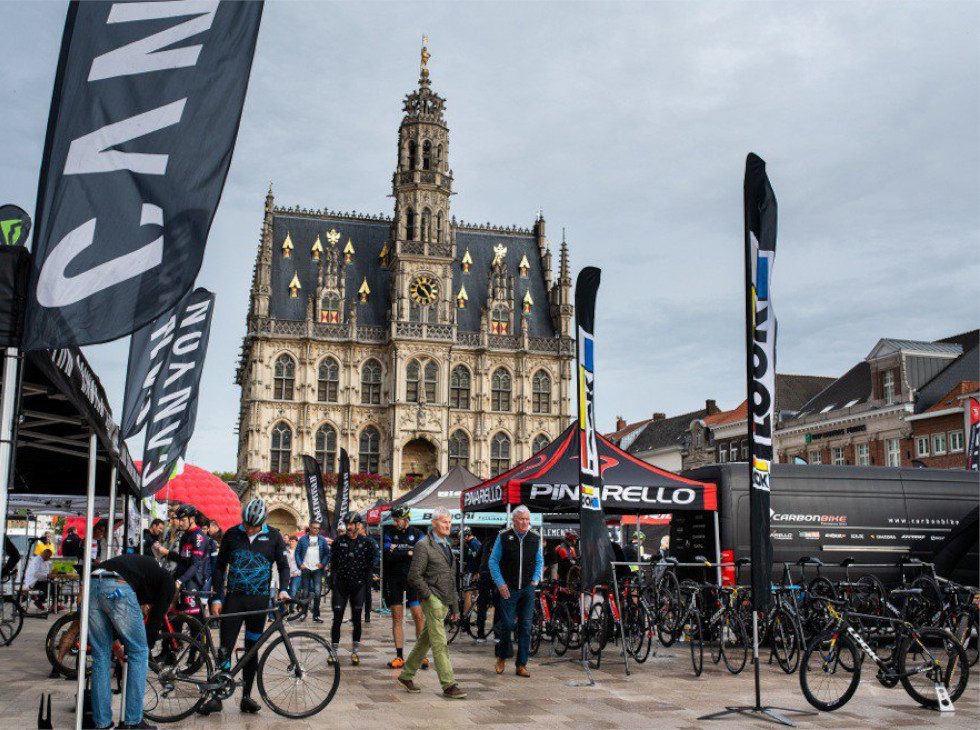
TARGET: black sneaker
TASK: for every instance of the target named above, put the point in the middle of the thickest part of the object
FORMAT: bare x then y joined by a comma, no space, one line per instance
250,706
141,725
317,620
209,707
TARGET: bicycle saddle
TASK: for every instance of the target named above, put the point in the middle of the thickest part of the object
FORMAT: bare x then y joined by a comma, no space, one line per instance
700,559
741,562
847,562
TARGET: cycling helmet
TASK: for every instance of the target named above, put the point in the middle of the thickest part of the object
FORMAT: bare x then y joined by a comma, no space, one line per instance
254,513
186,510
400,513
639,537
467,532
571,535
352,518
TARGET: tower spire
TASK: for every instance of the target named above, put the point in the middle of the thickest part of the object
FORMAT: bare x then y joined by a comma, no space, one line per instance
424,66
564,268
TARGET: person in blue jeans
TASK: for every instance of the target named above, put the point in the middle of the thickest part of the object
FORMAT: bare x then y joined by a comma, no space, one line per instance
516,564
119,587
312,553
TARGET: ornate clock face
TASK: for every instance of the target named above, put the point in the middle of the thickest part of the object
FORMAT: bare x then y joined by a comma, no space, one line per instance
424,290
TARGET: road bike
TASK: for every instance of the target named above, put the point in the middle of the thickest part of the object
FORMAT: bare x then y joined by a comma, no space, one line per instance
929,662
297,676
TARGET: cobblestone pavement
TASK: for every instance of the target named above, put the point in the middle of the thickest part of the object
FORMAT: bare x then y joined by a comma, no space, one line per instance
663,693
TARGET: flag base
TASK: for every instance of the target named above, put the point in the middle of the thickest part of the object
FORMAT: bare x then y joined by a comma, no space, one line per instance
763,713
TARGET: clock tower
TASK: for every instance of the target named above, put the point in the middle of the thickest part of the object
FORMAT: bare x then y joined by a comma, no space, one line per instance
423,240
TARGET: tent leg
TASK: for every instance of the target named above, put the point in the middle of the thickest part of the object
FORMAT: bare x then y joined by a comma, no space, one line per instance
8,401
86,584
111,529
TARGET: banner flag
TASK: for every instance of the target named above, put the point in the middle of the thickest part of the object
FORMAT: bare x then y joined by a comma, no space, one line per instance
596,553
973,448
315,498
760,323
173,410
148,351
342,503
145,112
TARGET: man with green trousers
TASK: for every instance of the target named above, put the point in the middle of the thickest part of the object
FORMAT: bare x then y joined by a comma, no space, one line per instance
433,578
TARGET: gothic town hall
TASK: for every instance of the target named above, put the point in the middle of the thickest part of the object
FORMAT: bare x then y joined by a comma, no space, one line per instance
415,342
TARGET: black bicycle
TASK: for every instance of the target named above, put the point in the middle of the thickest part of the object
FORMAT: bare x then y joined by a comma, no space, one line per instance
929,662
296,677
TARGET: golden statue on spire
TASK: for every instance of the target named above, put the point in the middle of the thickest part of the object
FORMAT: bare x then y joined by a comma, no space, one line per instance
425,55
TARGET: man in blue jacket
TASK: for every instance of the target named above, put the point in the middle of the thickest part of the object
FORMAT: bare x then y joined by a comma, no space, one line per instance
312,553
516,564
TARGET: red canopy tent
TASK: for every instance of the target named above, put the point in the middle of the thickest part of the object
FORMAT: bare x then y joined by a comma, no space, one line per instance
548,481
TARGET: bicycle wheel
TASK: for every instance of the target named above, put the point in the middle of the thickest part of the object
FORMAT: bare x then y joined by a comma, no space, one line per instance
697,643
469,620
302,686
561,629
537,629
175,679
929,603
636,631
734,643
937,658
785,640
597,628
963,626
826,683
185,623
668,608
69,666
452,629
11,620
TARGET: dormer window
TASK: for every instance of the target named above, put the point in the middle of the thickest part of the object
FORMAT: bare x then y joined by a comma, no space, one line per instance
888,387
500,321
330,308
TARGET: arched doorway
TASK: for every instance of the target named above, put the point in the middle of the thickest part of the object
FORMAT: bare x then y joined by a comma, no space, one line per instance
283,521
419,459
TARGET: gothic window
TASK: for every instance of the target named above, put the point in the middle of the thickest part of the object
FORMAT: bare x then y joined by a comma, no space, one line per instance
541,392
459,450
431,381
459,387
371,383
439,157
369,451
500,321
425,234
499,454
327,380
409,225
326,448
285,378
330,308
426,155
540,441
418,313
412,373
412,155
439,227
280,455
500,390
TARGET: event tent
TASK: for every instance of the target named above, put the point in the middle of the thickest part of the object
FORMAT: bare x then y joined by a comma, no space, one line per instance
548,482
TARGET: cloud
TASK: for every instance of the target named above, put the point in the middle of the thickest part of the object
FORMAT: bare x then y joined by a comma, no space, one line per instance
628,123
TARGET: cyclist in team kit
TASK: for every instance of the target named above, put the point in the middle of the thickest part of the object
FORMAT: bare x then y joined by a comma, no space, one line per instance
399,544
351,562
241,582
192,566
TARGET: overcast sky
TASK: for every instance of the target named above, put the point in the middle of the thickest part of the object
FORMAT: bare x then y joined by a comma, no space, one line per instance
628,124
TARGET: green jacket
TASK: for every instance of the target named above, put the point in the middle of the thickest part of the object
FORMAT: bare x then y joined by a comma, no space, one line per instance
433,573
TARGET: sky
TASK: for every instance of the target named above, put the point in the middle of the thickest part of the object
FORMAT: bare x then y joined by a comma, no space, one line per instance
628,125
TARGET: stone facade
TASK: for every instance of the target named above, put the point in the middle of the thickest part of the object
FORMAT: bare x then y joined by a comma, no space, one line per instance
414,342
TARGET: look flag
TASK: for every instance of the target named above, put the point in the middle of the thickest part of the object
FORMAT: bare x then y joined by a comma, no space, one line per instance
144,116
760,321
596,553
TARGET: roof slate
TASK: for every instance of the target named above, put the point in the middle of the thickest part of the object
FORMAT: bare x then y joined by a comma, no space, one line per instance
368,237
665,432
952,398
964,368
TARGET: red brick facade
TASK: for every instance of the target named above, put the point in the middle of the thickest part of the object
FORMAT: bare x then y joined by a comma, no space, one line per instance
948,432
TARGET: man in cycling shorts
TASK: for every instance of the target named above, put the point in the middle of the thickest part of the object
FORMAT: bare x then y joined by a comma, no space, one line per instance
241,582
399,544
192,566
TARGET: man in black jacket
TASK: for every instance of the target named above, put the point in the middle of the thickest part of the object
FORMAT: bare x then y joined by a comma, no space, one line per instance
351,561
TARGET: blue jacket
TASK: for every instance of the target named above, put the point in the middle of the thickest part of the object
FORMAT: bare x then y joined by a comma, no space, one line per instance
304,544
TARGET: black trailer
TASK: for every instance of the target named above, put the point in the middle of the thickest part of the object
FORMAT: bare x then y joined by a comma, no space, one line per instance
874,514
